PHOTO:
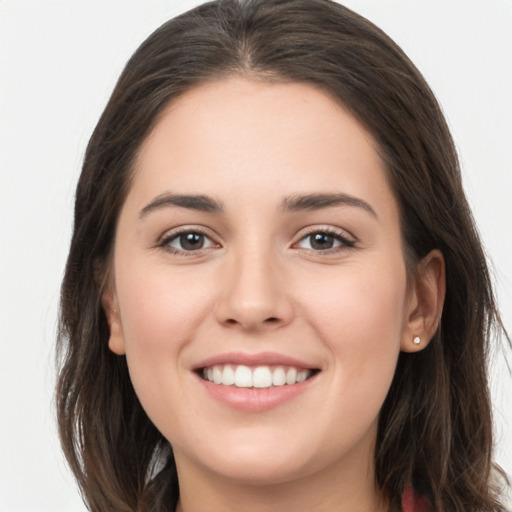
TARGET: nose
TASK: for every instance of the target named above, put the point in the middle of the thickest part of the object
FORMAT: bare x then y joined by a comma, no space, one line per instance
254,295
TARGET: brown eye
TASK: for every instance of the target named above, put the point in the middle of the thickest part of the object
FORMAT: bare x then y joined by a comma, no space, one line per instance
191,241
324,241
321,241
188,242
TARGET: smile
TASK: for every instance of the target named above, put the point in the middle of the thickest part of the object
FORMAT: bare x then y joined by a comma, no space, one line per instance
242,376
256,382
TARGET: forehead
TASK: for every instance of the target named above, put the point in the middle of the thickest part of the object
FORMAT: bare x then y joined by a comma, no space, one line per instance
252,135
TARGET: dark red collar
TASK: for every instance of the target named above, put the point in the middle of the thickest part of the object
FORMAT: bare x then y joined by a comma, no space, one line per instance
411,502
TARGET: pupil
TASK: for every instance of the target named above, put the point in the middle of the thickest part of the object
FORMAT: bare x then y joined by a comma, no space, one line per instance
321,241
192,241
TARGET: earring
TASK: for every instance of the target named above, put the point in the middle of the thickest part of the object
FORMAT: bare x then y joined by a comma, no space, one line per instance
416,340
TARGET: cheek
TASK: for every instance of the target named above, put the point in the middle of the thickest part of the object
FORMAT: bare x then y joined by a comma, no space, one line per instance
158,304
360,299
160,315
359,315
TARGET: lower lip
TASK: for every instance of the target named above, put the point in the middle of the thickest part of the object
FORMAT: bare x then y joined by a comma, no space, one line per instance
255,399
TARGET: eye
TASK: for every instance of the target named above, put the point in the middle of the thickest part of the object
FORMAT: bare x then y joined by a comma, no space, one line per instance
187,241
324,241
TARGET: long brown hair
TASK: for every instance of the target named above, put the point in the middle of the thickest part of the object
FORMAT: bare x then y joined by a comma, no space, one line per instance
435,430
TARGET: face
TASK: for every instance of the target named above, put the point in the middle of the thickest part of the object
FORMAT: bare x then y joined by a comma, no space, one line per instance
259,286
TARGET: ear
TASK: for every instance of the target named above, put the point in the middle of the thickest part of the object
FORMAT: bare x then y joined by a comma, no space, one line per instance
116,339
425,304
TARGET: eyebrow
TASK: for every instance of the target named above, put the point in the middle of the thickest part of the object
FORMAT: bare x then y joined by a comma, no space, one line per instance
200,203
318,201
293,203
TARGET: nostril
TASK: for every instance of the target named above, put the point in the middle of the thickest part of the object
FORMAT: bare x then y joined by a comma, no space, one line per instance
270,320
253,323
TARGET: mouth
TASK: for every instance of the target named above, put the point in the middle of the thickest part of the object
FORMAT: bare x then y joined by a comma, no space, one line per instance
259,377
256,383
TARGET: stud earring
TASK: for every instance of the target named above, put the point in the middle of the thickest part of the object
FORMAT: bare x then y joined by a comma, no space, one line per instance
416,340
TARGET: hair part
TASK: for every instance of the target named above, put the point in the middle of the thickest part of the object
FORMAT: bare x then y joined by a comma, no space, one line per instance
435,429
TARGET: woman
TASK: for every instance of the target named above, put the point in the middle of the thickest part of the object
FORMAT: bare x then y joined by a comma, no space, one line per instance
275,296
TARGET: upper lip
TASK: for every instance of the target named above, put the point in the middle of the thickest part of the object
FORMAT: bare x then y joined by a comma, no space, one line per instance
260,359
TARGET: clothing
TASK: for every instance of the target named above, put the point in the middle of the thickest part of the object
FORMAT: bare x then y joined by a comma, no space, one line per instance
412,502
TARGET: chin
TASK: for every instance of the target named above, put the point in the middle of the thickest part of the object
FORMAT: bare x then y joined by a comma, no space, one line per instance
253,460
261,471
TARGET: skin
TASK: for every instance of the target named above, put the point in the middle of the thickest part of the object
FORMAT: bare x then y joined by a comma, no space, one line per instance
258,285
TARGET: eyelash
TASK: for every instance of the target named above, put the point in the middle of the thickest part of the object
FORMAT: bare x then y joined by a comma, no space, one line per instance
166,241
338,236
345,243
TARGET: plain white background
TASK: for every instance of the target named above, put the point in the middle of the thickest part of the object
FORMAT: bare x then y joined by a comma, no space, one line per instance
59,61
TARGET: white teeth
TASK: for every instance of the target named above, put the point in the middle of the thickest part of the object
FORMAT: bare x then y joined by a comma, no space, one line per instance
217,374
291,375
243,376
302,376
279,377
261,377
228,376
